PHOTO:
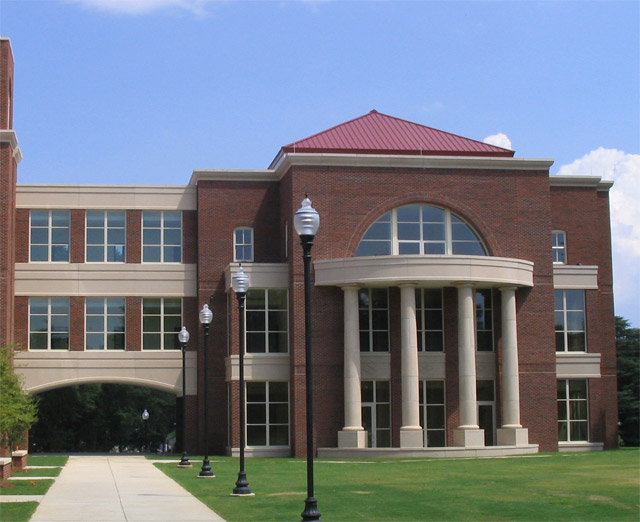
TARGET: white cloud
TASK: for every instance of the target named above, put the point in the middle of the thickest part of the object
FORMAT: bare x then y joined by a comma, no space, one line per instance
624,170
499,140
197,7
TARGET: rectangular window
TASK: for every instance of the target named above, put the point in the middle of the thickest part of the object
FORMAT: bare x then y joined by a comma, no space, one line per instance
486,397
267,313
48,323
161,322
161,236
104,323
559,246
429,320
432,413
105,236
573,410
376,413
49,238
484,321
267,413
243,244
374,319
570,316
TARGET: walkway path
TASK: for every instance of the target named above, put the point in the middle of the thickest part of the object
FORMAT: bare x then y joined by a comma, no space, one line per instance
117,488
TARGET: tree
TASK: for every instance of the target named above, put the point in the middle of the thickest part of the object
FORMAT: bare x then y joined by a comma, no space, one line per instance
628,352
18,410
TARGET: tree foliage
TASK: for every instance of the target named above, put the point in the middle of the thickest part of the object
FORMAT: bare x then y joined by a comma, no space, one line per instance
18,410
100,417
628,352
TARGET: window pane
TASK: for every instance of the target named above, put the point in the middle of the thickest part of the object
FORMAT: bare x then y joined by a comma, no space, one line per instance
278,343
435,439
367,391
434,342
39,218
575,321
256,414
151,306
278,435
279,413
379,298
115,324
38,341
60,253
410,213
151,237
383,417
115,342
151,342
461,232
255,343
378,231
579,431
577,389
59,235
115,305
116,219
60,218
278,392
278,321
95,342
172,237
39,236
173,306
39,323
433,231
172,219
115,236
468,249
151,324
95,254
95,324
278,299
408,249
255,321
382,391
256,300
151,219
374,248
39,253
432,214
115,254
256,392
151,254
95,236
435,417
380,341
38,305
563,435
256,435
434,248
575,299
60,341
576,341
172,254
435,392
60,305
408,231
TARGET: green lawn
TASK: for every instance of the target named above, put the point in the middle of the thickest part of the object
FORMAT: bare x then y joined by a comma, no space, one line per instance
576,486
17,512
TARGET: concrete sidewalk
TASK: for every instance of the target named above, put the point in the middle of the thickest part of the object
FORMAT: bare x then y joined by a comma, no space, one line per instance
118,488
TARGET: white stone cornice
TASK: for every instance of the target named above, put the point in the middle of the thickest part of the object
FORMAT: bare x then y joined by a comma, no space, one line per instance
9,136
106,197
575,277
288,160
233,175
262,275
581,181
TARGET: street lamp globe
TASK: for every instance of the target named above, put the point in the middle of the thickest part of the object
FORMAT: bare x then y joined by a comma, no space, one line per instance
240,281
306,220
183,335
206,315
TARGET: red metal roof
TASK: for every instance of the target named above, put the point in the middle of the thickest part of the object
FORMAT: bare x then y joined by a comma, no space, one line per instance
377,133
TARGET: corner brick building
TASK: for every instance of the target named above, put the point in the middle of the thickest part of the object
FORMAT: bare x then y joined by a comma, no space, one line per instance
462,297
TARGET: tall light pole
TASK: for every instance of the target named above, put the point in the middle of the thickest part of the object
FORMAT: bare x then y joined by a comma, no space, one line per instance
183,337
206,316
240,285
145,418
307,221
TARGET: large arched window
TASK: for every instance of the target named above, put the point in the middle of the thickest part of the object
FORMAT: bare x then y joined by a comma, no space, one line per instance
420,230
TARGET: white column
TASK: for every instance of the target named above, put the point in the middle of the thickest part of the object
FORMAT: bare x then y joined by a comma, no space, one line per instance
411,432
353,434
468,433
511,432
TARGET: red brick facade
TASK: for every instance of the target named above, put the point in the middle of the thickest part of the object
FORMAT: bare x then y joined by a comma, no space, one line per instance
512,208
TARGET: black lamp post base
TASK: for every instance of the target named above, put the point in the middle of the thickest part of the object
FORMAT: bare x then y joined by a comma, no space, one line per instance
184,462
206,472
242,486
311,509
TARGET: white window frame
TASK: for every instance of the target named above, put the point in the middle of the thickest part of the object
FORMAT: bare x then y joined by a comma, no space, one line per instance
267,329
373,434
243,244
105,243
567,405
268,424
421,311
162,245
50,243
105,324
448,232
565,331
559,250
369,327
162,331
50,331
424,404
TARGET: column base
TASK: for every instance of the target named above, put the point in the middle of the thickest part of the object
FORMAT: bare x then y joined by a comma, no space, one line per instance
411,438
352,439
513,436
471,438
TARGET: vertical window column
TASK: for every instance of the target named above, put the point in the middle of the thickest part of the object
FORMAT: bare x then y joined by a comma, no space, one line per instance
353,434
468,433
411,431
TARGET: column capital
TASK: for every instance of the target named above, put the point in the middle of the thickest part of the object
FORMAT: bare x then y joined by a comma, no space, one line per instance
349,287
508,288
407,285
464,284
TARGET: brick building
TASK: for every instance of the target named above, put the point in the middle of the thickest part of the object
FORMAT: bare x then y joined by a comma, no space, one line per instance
462,297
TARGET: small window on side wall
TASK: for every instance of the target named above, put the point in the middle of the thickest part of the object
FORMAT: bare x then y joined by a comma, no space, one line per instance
559,247
243,244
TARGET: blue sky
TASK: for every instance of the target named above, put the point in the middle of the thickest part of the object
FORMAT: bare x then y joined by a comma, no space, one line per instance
145,91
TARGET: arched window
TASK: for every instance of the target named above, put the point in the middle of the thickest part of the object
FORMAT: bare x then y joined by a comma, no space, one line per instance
420,230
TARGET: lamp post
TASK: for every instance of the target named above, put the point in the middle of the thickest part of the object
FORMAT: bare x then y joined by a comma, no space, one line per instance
145,418
183,337
206,316
306,221
240,285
